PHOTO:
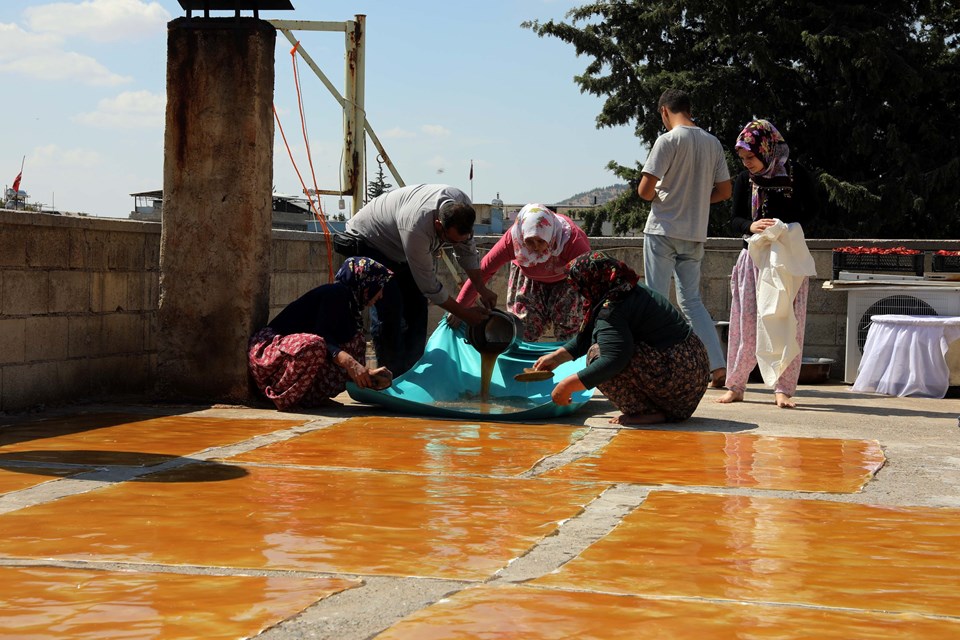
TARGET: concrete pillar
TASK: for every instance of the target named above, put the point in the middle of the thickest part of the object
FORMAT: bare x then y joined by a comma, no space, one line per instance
217,202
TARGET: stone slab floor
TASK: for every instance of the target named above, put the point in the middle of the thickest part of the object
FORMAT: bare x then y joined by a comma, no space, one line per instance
840,519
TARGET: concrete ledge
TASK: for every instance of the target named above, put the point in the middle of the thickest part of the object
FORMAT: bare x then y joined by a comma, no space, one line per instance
30,218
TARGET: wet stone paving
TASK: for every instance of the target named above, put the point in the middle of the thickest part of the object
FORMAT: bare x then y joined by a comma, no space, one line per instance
221,523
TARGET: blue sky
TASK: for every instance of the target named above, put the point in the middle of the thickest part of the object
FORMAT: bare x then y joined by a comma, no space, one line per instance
447,82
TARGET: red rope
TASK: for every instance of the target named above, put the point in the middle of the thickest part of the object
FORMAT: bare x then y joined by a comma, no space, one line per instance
303,120
315,206
316,213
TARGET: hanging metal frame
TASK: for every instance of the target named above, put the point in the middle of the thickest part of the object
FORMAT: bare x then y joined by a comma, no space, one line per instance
355,123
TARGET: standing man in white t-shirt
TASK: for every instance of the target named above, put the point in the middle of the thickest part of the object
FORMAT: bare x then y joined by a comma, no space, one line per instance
684,174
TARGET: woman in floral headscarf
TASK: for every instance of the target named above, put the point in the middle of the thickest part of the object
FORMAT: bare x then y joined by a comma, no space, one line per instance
641,353
306,354
538,246
771,187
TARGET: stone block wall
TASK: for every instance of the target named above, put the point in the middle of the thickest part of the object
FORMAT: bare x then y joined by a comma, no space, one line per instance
79,299
298,264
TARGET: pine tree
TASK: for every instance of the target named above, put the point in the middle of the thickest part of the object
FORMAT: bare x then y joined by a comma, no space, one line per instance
379,185
863,93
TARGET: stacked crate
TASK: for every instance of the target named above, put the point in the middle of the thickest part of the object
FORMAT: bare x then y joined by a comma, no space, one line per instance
899,260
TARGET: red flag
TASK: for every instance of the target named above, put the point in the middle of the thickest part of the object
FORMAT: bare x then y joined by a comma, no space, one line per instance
16,181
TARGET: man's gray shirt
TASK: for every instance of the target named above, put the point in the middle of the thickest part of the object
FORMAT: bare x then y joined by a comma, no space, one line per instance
688,162
399,224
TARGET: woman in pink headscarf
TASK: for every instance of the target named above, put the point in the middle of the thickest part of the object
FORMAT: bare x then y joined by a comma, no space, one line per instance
538,246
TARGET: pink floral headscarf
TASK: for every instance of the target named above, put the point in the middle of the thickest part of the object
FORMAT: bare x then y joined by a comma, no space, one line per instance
762,139
536,221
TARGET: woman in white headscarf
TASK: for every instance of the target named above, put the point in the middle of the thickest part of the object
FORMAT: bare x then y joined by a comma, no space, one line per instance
538,246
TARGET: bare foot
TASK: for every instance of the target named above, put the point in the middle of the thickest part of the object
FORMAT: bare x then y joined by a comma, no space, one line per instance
784,401
730,396
718,377
639,418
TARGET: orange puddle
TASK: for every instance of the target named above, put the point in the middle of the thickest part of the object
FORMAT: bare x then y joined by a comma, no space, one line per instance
126,439
14,479
814,552
332,521
42,602
537,614
730,460
425,446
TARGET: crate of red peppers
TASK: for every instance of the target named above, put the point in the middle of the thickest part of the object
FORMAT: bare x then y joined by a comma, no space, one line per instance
946,261
877,259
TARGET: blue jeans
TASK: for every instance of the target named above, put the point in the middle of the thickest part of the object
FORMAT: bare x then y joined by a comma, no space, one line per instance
664,257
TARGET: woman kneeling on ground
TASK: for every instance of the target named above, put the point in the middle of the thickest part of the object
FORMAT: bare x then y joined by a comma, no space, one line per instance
305,355
641,353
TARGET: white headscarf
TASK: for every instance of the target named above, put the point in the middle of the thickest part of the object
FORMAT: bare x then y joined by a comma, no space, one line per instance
536,221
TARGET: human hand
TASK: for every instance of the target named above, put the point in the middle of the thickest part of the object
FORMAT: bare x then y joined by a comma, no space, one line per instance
761,225
542,364
487,297
547,363
474,315
562,394
358,373
453,321
381,378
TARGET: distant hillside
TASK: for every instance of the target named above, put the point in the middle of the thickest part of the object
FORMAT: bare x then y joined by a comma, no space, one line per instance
602,195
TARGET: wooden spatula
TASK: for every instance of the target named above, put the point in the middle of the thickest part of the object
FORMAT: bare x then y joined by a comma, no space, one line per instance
532,375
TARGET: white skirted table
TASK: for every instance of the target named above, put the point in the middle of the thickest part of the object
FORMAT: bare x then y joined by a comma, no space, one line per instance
906,355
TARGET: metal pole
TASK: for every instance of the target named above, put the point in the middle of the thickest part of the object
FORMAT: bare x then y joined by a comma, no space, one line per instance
349,89
284,27
361,112
353,113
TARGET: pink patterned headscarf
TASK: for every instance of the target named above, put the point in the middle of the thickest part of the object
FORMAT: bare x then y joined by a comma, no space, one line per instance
762,139
536,221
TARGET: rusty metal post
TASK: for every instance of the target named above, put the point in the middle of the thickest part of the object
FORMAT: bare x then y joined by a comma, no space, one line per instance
285,27
354,113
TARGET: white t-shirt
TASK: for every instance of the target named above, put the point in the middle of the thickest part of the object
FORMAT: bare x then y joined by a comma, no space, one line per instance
688,162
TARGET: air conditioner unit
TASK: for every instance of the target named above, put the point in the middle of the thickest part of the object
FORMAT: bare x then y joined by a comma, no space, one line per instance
913,301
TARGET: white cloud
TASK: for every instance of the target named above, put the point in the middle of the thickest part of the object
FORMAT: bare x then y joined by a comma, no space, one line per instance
41,57
15,42
128,110
99,20
397,132
52,156
435,130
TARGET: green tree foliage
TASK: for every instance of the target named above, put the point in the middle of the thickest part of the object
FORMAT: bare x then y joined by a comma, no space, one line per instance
626,212
864,93
379,184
